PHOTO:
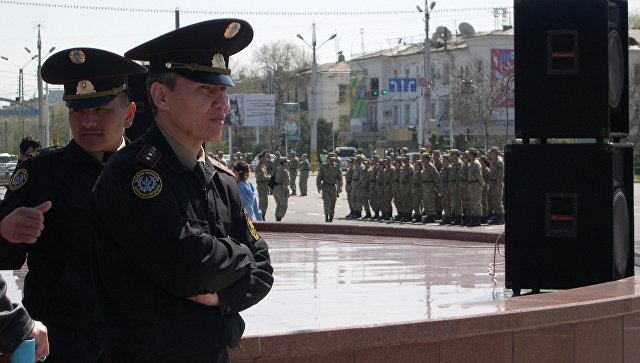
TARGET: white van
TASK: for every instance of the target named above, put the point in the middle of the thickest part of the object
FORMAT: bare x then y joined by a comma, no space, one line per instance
344,153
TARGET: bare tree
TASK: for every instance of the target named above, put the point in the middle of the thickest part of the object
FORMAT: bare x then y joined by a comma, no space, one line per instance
476,95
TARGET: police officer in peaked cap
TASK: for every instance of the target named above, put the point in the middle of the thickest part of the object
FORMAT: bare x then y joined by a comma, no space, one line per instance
45,210
191,258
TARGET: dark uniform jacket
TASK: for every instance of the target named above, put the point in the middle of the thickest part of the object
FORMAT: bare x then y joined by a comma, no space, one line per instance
15,323
58,288
165,233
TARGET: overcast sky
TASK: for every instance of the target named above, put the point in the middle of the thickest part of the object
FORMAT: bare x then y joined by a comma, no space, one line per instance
121,30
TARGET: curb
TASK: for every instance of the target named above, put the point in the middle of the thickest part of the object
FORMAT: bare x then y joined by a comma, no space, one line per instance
440,233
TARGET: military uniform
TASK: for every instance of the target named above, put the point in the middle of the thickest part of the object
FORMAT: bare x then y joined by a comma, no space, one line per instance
474,188
430,182
329,182
485,190
496,187
437,162
463,193
396,192
416,192
387,193
363,190
293,172
304,176
374,196
446,196
281,190
355,182
347,180
405,178
262,178
454,192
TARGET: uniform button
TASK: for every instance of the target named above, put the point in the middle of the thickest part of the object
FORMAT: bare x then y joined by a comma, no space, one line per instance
228,309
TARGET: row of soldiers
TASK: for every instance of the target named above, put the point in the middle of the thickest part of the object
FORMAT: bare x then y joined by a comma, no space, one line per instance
459,188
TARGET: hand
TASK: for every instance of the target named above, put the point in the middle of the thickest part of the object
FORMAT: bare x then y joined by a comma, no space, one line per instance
206,299
39,332
319,191
24,224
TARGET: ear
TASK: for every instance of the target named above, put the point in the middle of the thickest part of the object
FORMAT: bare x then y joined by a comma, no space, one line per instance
130,113
158,94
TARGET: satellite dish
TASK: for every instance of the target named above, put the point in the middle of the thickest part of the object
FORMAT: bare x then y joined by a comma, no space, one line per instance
434,38
443,32
466,30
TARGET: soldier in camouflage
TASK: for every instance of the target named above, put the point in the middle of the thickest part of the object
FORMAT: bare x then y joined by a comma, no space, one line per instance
496,185
444,187
329,183
262,177
293,171
304,174
430,182
281,189
475,183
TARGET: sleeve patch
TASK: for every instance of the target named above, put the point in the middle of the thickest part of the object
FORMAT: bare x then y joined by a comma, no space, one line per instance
18,179
252,229
146,184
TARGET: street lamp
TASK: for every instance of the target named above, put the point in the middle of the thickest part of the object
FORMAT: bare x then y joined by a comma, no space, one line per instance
21,86
506,105
42,130
312,114
427,64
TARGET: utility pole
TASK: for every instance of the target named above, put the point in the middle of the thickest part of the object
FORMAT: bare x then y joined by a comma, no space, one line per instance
427,66
41,130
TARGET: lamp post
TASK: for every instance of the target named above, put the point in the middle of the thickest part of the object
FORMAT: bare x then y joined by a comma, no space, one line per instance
427,65
313,114
43,129
506,105
21,87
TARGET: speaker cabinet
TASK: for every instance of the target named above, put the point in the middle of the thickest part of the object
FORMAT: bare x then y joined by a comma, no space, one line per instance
144,114
568,215
571,69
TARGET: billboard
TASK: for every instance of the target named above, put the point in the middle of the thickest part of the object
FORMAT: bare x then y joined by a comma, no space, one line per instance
251,110
357,91
502,67
291,120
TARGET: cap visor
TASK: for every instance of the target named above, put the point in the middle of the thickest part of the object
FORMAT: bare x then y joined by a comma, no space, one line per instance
89,102
209,78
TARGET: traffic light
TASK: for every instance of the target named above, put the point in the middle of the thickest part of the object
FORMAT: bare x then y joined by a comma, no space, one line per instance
384,91
374,87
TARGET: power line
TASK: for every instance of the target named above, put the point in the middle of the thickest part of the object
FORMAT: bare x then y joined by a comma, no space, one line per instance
241,12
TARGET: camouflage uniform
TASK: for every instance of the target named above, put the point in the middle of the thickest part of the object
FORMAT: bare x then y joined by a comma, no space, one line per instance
262,177
387,187
329,182
496,186
347,179
363,190
304,176
445,191
456,204
474,188
416,192
437,162
485,190
430,182
406,176
396,188
374,196
293,172
463,176
355,181
281,191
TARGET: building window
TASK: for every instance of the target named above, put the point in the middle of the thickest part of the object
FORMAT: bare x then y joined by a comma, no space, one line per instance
407,113
395,114
446,73
343,93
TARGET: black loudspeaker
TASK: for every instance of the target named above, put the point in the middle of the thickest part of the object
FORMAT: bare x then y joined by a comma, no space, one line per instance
571,69
568,215
144,113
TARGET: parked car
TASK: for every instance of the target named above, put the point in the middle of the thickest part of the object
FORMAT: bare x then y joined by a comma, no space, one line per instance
255,161
344,153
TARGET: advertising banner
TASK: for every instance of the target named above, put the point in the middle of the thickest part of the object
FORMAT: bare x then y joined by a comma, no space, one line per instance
502,67
291,120
357,92
251,110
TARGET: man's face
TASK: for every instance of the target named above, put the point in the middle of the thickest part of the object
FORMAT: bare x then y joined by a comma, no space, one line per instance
436,157
197,110
101,128
492,156
263,159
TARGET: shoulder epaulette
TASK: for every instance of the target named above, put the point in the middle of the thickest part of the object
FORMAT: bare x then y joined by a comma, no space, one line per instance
149,155
218,165
45,151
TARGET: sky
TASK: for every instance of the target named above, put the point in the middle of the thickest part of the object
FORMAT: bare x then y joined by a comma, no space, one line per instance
376,24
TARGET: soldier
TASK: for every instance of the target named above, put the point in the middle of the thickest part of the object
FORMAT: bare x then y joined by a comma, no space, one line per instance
416,191
348,178
304,174
454,172
262,177
496,185
484,162
444,187
437,162
430,182
475,184
405,178
374,196
363,189
329,182
397,198
387,191
379,190
293,171
336,160
463,176
355,182
281,189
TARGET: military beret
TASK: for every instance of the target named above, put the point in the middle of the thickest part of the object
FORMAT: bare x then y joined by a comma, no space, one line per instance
199,52
472,151
375,156
359,149
426,156
359,157
445,156
263,153
454,152
283,160
331,158
277,152
292,152
418,162
484,158
481,151
398,159
387,158
464,154
304,155
436,152
494,149
91,77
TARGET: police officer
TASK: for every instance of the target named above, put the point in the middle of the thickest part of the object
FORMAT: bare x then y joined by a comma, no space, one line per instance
329,183
262,178
176,255
304,174
51,191
293,171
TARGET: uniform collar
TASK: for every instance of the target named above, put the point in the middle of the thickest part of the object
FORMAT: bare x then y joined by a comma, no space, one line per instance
98,154
185,156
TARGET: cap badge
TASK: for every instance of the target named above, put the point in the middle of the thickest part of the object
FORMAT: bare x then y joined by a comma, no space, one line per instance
232,30
77,56
85,87
218,61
